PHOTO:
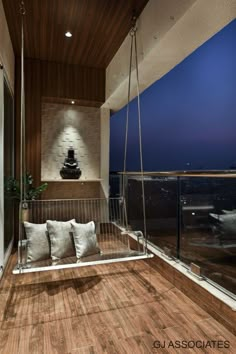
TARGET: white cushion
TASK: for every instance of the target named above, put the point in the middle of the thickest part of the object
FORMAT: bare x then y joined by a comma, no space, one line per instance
38,246
85,239
62,243
224,211
226,224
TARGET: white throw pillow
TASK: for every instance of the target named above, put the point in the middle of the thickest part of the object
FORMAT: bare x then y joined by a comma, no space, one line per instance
225,224
62,243
38,245
85,239
224,211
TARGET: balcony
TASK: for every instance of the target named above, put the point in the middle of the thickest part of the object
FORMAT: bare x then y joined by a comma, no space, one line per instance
191,224
115,308
164,304
192,217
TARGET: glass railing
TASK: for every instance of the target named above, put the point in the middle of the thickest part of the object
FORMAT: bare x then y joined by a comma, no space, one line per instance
190,216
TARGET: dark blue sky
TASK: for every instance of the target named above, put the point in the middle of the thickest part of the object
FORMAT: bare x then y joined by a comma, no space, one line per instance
188,116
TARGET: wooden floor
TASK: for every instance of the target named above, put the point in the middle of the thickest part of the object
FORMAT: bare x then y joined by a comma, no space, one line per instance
117,308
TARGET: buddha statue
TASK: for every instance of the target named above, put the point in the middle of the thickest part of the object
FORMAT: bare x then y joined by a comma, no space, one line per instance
70,169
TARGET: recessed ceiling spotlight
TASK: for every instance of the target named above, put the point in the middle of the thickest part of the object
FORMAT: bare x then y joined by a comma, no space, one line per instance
68,34
72,102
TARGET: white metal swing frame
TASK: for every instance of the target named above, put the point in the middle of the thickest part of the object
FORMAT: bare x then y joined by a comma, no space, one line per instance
109,214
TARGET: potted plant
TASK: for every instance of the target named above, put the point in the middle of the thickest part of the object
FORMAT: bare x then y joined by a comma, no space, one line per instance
12,188
13,191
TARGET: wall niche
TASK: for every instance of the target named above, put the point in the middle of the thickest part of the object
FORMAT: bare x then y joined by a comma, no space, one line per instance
65,126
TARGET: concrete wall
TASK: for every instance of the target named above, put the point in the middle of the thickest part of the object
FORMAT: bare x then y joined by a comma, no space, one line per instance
105,150
168,32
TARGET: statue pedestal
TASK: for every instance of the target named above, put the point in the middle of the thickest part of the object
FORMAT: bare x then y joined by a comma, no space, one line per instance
70,173
70,170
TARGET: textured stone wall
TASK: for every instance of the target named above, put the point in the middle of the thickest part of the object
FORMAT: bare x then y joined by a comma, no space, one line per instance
65,126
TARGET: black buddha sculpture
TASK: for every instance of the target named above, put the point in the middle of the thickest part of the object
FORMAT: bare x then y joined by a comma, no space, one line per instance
70,169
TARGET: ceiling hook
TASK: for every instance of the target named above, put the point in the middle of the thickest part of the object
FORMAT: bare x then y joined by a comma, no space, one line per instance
22,8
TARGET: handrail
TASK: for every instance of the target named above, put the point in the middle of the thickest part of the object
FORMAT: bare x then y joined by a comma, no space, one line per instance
193,173
70,200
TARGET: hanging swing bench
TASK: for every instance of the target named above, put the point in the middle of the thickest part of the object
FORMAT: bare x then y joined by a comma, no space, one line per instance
87,231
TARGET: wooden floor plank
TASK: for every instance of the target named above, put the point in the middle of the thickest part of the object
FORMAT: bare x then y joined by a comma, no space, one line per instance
30,339
114,308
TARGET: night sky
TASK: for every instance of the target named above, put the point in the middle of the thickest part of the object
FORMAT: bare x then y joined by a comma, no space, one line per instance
188,116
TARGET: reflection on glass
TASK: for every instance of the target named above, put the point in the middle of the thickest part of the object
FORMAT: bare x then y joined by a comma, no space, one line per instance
161,211
192,217
208,235
8,163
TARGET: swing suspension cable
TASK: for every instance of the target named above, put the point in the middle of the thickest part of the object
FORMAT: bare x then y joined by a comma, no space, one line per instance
114,241
22,131
22,152
134,48
125,221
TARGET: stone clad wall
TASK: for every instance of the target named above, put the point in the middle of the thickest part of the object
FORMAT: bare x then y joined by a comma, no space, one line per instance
65,126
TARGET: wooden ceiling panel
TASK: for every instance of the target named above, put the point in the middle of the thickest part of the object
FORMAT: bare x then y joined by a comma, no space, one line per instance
98,27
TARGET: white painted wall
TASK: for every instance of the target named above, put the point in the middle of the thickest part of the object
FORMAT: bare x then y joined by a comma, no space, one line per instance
7,57
168,31
105,149
65,126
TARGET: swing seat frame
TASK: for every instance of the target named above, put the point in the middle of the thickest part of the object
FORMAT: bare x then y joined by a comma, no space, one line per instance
111,220
109,216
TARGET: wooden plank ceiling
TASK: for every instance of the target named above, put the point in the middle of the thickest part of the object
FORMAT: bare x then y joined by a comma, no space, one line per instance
98,28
